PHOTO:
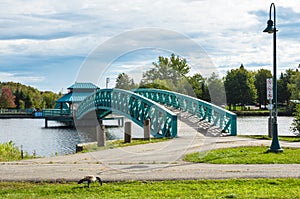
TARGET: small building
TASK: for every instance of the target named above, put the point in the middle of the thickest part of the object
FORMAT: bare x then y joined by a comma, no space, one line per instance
76,94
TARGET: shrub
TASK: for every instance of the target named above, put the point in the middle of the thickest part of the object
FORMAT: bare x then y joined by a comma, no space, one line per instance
296,122
9,151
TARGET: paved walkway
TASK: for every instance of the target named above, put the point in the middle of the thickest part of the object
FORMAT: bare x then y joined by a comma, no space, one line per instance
157,161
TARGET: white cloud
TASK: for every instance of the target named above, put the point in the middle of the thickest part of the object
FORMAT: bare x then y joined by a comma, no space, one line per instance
230,32
21,78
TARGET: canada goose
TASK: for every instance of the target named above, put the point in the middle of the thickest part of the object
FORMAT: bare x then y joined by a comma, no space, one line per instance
90,179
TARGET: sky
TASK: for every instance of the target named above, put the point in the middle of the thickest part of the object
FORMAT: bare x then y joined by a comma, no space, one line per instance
51,44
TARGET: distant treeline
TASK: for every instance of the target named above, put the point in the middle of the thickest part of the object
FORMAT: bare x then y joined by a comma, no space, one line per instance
17,95
239,87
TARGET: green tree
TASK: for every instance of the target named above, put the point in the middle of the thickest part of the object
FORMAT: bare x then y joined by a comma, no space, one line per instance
179,66
296,122
260,83
197,82
159,84
20,99
49,99
29,97
284,92
123,81
7,99
239,87
170,69
294,84
216,89
17,98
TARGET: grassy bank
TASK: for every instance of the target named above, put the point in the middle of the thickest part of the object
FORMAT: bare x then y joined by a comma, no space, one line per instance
281,138
120,143
242,111
10,152
233,188
245,155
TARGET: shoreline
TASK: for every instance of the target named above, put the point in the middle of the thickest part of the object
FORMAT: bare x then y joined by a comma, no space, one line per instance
260,113
18,116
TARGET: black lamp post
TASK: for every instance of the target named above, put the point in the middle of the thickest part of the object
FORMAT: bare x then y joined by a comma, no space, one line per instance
271,28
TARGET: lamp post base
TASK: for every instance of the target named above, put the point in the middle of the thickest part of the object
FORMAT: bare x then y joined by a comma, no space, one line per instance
280,150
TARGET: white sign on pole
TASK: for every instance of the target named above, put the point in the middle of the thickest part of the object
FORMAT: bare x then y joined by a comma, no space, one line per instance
269,89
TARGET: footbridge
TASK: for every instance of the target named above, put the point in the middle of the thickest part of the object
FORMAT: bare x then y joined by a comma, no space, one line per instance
210,113
141,104
133,106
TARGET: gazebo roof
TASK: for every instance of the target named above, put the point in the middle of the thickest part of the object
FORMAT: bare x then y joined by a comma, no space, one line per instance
73,97
83,85
78,92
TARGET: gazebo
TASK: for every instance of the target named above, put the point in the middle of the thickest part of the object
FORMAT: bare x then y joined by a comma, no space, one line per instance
76,94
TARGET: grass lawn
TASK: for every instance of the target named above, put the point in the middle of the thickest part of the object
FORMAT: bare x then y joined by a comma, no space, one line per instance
281,138
245,155
233,188
120,143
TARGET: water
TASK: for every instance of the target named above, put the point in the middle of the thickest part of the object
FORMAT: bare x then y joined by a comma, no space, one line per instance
252,125
55,140
31,134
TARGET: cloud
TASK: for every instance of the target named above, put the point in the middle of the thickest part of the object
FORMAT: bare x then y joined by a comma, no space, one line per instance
21,78
229,32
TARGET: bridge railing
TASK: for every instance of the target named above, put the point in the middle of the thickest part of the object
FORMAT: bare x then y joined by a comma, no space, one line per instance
211,113
16,111
133,106
56,112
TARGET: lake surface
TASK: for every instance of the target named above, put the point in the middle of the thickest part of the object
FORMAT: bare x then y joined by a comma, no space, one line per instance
57,139
259,125
31,134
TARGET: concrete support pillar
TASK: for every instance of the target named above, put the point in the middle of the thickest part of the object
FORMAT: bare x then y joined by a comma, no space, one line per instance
147,129
127,132
101,136
46,123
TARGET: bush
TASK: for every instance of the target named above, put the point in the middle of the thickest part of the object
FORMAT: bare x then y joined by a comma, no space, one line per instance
9,152
296,122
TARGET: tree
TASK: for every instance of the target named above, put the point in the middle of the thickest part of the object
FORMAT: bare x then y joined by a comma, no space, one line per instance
29,97
239,87
17,98
179,66
284,92
296,122
7,99
170,69
49,99
197,82
124,82
260,83
294,84
216,89
28,101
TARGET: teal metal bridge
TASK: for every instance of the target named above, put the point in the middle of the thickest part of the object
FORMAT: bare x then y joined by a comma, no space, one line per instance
141,104
211,113
133,106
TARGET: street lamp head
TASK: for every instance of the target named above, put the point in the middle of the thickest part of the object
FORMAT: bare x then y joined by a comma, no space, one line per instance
269,28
